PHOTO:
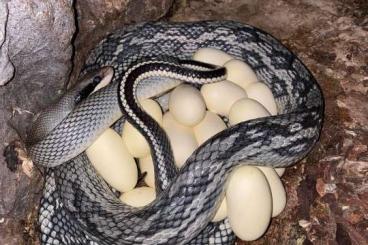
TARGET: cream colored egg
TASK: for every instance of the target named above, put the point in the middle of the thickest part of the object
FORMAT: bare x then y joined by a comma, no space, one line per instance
246,109
280,171
277,189
153,109
221,212
182,139
186,104
212,56
261,93
249,203
220,96
135,142
112,160
240,73
139,197
208,127
146,165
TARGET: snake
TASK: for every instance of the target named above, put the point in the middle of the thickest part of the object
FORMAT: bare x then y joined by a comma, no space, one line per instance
79,207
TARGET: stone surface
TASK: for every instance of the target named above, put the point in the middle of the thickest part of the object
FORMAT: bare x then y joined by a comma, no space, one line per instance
6,67
96,18
328,191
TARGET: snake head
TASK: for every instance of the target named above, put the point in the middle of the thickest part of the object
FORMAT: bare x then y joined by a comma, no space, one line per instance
55,113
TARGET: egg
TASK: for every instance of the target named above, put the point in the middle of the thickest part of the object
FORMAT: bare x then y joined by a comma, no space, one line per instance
221,212
220,96
246,109
134,140
249,202
186,104
280,171
208,127
240,73
112,160
181,138
146,165
277,190
212,56
261,93
139,197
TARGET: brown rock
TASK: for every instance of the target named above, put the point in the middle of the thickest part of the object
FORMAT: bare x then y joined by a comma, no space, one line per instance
97,18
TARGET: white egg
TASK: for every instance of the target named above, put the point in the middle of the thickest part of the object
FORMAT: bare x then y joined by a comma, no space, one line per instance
186,104
249,203
261,93
277,189
112,160
212,56
139,197
221,212
240,73
208,127
246,109
181,138
134,140
280,171
220,96
146,165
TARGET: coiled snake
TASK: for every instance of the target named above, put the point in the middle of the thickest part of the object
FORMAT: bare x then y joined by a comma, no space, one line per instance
78,207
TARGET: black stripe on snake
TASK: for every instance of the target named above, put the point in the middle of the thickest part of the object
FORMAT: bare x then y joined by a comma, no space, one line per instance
78,207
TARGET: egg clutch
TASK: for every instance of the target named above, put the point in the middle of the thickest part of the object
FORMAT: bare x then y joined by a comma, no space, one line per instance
253,195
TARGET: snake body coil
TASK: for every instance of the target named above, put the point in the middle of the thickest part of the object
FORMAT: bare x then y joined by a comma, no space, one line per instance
79,208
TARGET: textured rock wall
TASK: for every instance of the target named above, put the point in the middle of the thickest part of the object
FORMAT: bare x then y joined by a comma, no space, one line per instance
38,38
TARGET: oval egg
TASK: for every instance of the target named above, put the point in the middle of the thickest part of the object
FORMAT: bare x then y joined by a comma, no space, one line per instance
246,109
186,104
277,190
249,202
208,127
112,160
212,56
221,212
240,73
181,138
134,140
220,96
139,197
261,93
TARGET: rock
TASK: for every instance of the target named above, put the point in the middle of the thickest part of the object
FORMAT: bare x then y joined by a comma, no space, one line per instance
97,18
6,67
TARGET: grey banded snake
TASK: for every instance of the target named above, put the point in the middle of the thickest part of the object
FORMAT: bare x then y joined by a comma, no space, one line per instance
78,207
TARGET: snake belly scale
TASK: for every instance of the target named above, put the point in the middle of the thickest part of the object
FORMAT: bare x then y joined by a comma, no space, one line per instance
77,205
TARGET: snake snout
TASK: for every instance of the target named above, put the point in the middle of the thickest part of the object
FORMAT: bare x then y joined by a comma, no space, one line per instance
92,82
56,113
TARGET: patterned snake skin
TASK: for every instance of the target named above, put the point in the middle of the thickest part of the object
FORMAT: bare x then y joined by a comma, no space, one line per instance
78,207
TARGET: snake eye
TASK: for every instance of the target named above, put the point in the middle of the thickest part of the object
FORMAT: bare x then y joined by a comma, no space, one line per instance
87,90
94,83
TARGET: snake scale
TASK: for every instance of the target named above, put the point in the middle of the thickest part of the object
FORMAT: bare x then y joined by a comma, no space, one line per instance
78,207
